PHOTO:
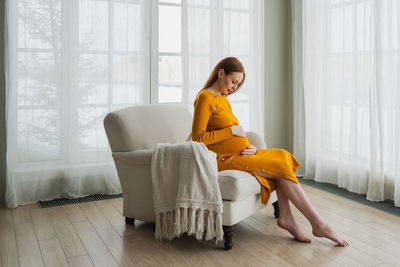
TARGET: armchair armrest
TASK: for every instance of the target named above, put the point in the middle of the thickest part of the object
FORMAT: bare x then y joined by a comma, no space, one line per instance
137,157
256,139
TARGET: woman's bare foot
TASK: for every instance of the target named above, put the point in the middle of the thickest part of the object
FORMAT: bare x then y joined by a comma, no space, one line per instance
324,230
291,226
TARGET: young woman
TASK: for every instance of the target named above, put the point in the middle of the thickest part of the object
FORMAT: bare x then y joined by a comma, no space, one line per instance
215,125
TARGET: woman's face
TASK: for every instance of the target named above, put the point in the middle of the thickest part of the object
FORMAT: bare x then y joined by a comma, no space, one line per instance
229,83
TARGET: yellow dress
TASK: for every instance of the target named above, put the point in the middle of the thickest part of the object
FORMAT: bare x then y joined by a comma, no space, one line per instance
212,120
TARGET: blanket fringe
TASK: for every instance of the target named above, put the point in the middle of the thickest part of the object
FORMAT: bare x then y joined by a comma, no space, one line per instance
201,223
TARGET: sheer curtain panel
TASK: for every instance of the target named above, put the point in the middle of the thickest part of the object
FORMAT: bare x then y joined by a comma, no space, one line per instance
347,94
68,64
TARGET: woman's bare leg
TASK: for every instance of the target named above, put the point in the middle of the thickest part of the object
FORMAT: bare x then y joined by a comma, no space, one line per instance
294,192
286,219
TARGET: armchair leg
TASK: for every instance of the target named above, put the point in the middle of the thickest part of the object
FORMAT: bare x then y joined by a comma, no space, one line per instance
129,220
276,209
228,233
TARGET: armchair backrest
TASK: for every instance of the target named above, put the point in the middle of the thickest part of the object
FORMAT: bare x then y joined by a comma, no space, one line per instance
142,127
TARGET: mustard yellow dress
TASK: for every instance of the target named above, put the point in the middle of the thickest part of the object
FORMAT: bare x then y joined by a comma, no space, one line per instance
212,120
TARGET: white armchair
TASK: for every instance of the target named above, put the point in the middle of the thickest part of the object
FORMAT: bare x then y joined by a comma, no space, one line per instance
133,134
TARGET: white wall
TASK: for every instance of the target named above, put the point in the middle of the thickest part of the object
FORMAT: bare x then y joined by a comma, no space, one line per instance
278,83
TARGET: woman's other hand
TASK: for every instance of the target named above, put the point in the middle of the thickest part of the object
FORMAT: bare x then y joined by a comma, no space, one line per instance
238,131
249,151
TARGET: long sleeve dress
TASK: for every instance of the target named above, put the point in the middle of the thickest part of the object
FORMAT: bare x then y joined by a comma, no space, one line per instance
212,120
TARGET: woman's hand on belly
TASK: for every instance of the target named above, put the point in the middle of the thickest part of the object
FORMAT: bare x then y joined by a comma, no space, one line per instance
249,151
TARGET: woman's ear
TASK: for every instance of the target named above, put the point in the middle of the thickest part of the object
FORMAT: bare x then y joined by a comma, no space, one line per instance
221,72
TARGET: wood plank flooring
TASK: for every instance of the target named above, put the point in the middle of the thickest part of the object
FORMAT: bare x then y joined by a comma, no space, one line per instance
95,234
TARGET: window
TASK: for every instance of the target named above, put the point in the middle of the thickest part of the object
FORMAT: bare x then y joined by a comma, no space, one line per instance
75,61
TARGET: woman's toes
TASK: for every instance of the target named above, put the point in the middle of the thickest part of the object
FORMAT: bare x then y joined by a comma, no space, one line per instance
326,231
305,239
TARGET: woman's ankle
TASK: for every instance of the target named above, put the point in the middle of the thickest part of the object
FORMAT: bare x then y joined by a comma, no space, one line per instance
318,224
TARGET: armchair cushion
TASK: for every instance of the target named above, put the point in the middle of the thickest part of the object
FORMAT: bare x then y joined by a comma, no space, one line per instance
236,185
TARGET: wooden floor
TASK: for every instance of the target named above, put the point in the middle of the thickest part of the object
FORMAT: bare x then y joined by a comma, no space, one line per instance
94,234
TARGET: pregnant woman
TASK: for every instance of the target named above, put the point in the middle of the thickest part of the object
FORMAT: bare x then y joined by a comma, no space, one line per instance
215,125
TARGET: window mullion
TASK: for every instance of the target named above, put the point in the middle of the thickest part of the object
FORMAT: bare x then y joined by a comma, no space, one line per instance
154,52
216,29
185,54
354,109
110,53
145,52
69,85
66,11
11,54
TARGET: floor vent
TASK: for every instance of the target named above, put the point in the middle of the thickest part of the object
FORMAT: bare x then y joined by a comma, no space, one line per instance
68,201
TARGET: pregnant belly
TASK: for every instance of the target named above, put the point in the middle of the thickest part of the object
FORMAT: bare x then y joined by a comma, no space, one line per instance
233,145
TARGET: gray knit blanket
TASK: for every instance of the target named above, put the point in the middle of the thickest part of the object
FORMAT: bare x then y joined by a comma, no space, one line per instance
186,193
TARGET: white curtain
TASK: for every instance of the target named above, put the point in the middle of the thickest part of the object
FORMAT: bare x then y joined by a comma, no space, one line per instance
70,62
347,94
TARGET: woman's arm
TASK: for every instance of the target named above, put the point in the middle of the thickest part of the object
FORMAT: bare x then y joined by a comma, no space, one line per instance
202,114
